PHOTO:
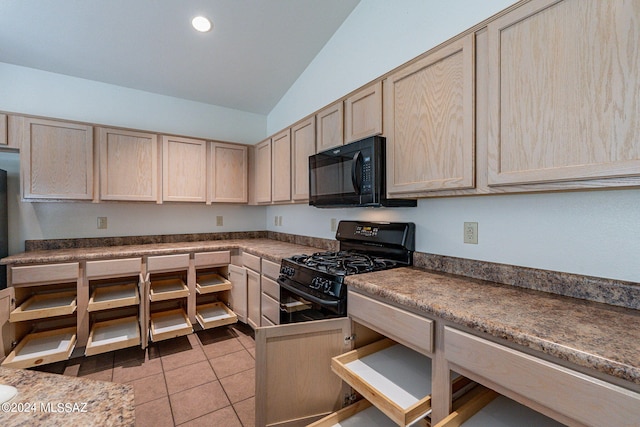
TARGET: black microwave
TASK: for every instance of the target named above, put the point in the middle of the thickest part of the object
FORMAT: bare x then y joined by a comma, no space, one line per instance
351,175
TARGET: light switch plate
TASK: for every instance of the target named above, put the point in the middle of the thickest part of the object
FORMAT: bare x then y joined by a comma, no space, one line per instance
102,222
219,220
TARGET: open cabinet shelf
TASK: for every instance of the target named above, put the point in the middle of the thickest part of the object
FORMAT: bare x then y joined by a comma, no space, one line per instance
114,296
209,283
360,414
483,407
166,289
169,324
394,378
215,314
45,305
113,335
41,348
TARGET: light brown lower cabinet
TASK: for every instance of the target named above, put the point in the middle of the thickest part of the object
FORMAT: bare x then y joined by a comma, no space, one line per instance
483,407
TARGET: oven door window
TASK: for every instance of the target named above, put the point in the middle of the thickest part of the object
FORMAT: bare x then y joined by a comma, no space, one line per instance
295,308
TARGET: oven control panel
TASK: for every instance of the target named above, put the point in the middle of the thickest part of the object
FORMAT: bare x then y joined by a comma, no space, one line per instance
366,231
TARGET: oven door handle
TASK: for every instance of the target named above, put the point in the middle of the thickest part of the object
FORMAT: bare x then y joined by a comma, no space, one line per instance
326,303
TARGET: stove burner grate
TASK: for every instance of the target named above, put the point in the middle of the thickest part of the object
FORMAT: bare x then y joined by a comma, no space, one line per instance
344,262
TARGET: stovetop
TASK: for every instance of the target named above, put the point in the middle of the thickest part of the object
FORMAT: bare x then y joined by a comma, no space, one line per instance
343,263
364,247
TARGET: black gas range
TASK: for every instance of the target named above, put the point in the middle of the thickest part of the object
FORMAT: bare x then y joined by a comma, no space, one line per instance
312,286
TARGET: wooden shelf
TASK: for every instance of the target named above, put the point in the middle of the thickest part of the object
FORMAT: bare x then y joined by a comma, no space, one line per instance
394,378
106,297
360,414
113,335
482,407
41,348
209,283
215,314
165,289
45,305
169,324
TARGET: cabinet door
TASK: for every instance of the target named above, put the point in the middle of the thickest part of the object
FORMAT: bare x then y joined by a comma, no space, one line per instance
184,169
7,304
253,298
303,145
564,85
3,129
429,122
330,127
238,297
56,159
128,165
363,113
281,167
228,171
262,177
294,382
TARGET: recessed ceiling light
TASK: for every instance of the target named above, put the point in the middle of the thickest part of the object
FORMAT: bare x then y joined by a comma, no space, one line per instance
201,24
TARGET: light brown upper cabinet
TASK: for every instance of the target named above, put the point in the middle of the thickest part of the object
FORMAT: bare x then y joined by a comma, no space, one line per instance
281,166
56,158
564,91
129,165
184,169
228,169
429,122
262,177
363,113
303,145
330,127
3,129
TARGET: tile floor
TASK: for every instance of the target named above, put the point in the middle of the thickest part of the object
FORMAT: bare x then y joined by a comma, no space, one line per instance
203,379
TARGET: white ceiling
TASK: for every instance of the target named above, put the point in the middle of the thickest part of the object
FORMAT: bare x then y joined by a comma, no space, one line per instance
255,52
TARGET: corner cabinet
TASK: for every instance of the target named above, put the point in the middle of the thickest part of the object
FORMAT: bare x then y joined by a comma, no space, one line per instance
564,83
294,382
429,122
228,173
56,159
129,165
184,169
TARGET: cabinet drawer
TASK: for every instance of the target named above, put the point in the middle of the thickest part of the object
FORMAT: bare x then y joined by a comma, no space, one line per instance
50,273
251,261
266,322
114,268
394,378
271,288
270,269
576,395
270,309
41,348
482,407
361,413
407,328
158,264
212,259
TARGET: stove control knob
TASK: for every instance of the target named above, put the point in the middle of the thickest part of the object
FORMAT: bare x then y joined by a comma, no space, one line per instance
287,271
320,283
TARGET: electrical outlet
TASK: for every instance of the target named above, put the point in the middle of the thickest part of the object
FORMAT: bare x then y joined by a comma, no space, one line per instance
334,224
280,221
471,232
102,222
275,220
219,220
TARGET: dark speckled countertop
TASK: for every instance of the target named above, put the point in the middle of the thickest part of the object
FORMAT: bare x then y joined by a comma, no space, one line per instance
593,335
272,250
58,400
